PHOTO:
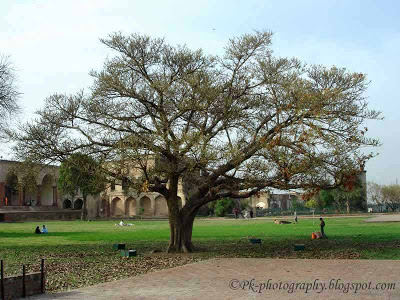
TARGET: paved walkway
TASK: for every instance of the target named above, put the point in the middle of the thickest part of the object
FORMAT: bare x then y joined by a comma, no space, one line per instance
385,218
232,279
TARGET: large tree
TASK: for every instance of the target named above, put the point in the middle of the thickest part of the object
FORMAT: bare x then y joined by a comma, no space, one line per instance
226,126
9,93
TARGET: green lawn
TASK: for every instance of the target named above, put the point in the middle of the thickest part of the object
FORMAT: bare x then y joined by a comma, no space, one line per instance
80,253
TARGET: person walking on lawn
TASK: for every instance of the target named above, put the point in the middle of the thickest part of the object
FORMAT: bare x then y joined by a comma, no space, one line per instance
322,225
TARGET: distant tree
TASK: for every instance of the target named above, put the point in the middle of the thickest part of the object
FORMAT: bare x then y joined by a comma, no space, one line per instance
326,198
224,206
391,196
82,172
9,94
311,203
348,195
297,205
374,194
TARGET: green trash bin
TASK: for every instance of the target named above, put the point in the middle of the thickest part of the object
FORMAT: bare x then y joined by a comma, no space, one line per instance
299,247
255,241
118,246
128,253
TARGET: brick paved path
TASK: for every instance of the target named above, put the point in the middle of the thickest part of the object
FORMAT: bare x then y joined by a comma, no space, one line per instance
230,279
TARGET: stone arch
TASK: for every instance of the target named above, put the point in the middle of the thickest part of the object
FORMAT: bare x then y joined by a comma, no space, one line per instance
130,206
78,204
145,204
12,189
46,191
160,207
30,190
67,204
117,207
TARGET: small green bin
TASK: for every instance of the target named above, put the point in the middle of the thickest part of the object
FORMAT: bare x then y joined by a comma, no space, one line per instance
255,241
299,247
128,253
118,246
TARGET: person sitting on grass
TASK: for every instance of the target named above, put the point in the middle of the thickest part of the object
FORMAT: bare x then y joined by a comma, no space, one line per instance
282,222
37,231
44,229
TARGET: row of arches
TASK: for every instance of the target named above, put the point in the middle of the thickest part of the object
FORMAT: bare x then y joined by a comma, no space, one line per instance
27,190
67,204
145,206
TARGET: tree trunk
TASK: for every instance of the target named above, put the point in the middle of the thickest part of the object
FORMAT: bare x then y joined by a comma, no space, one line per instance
181,228
348,206
175,226
180,221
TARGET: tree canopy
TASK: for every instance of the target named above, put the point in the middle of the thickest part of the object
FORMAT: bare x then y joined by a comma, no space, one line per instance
228,126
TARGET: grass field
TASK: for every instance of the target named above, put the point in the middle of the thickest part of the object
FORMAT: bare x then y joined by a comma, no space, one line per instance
80,253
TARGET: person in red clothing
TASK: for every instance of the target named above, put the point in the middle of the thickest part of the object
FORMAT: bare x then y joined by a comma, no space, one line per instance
236,212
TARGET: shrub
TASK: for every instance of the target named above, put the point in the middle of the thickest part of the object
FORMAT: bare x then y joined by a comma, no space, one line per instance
224,206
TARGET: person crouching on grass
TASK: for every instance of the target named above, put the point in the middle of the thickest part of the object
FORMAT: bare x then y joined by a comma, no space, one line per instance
37,230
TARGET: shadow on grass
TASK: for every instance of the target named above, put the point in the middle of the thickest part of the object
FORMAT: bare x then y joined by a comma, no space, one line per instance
30,235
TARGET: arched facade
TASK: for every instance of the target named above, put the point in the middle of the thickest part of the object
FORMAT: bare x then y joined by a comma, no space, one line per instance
78,203
30,191
130,206
46,190
160,207
67,204
145,204
26,186
117,207
12,189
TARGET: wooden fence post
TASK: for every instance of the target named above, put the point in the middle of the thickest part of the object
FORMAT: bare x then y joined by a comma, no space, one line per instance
23,282
42,276
3,297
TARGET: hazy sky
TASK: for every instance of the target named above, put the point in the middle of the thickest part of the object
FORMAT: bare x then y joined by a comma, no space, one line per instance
55,43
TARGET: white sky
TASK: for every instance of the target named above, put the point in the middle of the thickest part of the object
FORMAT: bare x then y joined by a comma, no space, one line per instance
55,43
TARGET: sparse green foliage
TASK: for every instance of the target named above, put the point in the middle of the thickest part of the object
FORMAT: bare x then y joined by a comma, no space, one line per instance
311,204
224,206
81,172
347,198
327,199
